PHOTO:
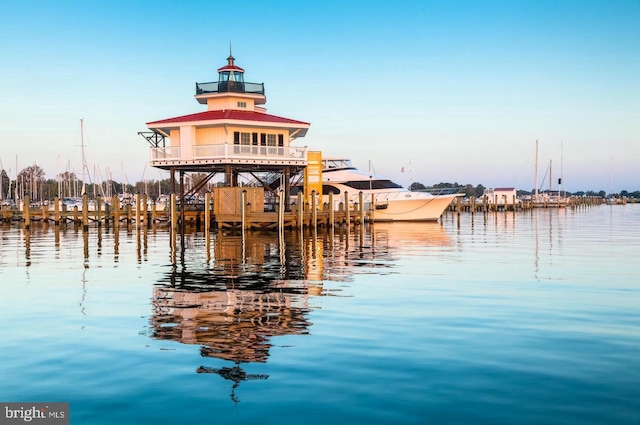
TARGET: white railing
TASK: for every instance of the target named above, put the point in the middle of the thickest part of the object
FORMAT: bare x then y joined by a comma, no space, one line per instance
168,153
228,152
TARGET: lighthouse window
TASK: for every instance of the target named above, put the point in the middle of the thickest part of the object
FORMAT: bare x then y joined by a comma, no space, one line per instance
242,104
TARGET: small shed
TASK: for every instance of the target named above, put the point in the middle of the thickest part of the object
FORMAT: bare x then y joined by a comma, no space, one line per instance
501,195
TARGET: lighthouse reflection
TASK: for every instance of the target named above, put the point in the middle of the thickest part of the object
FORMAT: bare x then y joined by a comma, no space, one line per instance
256,286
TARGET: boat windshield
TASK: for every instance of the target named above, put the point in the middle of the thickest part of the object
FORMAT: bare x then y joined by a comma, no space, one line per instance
336,164
372,184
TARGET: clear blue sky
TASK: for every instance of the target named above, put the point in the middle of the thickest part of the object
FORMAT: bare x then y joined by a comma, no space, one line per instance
453,91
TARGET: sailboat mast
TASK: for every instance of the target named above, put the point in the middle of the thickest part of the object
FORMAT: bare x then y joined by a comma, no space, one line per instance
550,176
84,162
536,187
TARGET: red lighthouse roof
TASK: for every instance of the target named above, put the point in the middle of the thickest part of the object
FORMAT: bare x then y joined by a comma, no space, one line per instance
230,66
228,114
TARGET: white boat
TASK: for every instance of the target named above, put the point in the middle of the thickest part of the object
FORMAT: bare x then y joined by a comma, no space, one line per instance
389,201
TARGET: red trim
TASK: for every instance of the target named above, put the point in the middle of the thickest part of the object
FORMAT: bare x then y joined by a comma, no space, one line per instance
230,68
229,114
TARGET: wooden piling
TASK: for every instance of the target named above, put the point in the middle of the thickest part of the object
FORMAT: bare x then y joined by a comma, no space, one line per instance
300,211
314,210
99,210
25,211
138,210
145,209
85,212
281,213
372,208
116,210
243,206
174,213
56,210
361,205
331,212
207,211
346,209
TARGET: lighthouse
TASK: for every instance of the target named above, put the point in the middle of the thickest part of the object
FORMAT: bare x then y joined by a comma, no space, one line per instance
235,136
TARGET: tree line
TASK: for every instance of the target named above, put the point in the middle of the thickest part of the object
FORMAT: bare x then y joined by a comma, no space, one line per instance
477,191
31,181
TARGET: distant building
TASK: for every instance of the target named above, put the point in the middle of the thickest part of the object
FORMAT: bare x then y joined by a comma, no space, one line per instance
501,195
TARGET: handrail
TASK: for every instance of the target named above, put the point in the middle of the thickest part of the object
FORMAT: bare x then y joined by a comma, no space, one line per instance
229,87
226,151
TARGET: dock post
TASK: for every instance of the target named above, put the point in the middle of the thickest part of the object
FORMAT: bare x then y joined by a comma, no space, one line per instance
56,211
116,210
281,212
138,210
25,211
243,211
372,208
44,213
85,212
207,223
99,210
154,213
300,211
174,215
107,214
361,202
207,213
331,212
314,210
347,209
145,209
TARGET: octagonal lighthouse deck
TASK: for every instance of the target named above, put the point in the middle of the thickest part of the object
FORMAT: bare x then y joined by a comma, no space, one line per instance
234,135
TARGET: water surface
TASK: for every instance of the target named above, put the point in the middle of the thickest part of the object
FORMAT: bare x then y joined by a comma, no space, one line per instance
506,318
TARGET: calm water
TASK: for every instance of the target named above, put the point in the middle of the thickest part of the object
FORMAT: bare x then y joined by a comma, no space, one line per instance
531,318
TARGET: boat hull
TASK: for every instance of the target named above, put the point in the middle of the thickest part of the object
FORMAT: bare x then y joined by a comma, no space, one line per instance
399,205
411,209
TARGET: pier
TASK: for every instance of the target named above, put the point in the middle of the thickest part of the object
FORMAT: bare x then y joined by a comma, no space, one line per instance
210,214
213,215
485,204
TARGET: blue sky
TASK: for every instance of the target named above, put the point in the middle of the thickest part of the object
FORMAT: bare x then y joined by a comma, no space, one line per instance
453,91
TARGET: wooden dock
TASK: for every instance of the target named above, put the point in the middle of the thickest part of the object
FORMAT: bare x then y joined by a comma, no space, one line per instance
485,205
243,214
143,213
